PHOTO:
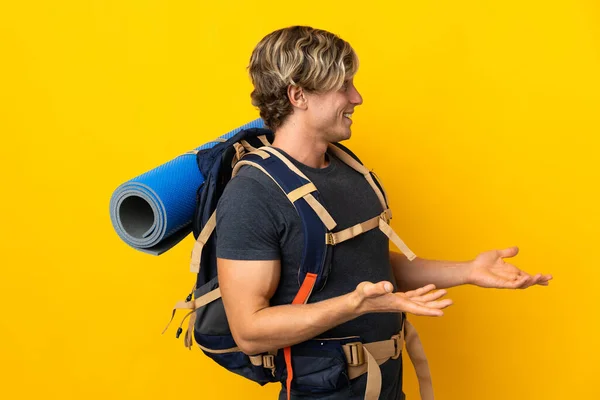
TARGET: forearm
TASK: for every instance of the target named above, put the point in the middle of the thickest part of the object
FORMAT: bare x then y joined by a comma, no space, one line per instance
420,272
285,325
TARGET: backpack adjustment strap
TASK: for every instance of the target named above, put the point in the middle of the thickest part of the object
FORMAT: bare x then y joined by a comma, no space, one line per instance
333,239
240,150
301,191
359,361
393,236
381,351
203,237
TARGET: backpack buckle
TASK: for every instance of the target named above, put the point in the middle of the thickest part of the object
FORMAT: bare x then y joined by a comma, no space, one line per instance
269,361
386,216
329,240
356,355
398,344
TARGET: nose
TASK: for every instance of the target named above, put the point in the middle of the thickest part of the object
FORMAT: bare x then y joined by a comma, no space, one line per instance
355,97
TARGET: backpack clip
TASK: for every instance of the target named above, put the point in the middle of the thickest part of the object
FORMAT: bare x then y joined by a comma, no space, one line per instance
356,354
329,239
269,361
398,344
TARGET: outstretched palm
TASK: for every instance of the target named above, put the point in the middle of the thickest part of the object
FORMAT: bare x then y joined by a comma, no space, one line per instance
489,270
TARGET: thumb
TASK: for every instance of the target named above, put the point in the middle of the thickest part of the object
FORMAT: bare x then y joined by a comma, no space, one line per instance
377,289
509,252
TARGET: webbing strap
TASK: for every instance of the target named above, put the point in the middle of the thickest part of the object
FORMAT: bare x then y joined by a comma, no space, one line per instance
346,158
188,339
353,231
366,358
263,154
223,351
389,232
301,298
239,153
264,140
255,165
373,378
359,354
419,361
201,241
287,162
301,191
321,211
247,146
310,199
381,352
380,184
194,305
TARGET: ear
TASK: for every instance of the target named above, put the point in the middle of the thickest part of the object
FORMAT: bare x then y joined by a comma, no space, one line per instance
296,96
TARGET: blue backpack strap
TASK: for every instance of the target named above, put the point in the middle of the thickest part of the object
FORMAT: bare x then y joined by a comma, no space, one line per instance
304,196
316,222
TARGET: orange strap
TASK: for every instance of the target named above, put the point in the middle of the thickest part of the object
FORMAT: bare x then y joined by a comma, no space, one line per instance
301,298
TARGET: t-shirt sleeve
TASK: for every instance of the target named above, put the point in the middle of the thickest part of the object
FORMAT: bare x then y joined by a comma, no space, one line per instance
249,224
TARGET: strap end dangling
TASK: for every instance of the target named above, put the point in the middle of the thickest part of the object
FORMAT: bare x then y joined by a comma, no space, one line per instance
171,320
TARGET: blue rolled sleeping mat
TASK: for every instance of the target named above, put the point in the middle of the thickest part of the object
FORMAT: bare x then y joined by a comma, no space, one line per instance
153,212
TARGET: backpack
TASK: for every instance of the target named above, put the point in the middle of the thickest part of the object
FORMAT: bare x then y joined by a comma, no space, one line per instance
337,360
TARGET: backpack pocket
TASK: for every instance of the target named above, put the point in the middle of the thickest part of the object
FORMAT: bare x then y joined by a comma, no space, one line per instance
319,367
212,333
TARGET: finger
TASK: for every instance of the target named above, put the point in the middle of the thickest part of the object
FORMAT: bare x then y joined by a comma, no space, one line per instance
439,304
531,280
419,309
509,252
518,282
544,280
430,296
420,291
377,289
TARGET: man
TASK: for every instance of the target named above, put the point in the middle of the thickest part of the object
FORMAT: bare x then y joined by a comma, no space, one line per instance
304,89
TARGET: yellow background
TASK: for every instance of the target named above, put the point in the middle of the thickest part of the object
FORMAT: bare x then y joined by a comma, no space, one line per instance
481,117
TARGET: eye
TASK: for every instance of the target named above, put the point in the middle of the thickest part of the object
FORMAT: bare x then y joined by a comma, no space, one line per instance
345,86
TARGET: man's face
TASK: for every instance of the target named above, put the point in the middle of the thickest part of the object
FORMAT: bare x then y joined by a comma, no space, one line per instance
330,113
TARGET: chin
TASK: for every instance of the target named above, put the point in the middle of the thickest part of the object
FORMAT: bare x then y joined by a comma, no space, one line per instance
338,136
345,136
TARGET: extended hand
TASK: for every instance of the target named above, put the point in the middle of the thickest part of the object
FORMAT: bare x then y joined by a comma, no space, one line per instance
489,270
378,297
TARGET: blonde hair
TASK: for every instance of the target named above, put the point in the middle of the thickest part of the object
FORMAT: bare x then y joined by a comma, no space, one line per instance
313,59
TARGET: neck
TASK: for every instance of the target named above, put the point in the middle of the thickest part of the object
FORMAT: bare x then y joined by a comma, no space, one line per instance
301,144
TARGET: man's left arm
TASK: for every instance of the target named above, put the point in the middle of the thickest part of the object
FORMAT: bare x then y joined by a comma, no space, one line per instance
488,269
